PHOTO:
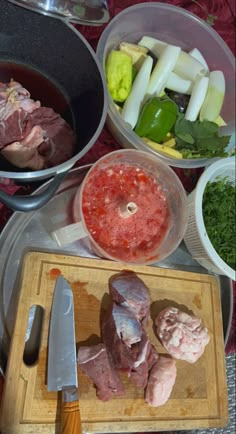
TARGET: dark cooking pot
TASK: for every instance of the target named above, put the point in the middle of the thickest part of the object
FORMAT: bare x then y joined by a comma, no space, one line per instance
54,62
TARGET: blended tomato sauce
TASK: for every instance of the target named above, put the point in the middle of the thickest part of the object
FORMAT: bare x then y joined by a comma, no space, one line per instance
125,211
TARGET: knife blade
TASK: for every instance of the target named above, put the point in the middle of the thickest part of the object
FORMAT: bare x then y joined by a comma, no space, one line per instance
62,366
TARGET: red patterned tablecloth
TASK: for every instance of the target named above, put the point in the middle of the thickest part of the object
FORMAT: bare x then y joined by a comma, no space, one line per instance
218,13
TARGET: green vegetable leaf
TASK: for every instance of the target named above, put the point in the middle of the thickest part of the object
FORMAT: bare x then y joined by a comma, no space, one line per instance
219,213
199,139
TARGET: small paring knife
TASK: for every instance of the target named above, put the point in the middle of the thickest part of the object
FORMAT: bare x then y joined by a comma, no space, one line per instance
62,366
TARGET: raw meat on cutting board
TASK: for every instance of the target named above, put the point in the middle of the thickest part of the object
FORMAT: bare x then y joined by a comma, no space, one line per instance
94,362
182,335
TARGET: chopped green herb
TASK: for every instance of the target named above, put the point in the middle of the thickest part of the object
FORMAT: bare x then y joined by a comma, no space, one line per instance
199,139
219,214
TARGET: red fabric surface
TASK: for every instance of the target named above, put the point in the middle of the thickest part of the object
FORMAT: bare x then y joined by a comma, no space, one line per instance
222,13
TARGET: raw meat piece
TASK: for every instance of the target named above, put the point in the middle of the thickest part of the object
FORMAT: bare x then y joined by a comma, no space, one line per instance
51,143
127,343
120,332
146,358
127,289
15,105
25,153
160,382
94,362
182,335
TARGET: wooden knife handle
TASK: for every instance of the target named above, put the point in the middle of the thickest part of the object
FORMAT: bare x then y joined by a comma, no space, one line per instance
71,421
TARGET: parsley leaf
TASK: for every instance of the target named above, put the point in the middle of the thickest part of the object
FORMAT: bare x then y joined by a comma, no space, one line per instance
219,214
199,139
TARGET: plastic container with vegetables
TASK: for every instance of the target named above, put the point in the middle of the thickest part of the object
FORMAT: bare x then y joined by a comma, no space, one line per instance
175,93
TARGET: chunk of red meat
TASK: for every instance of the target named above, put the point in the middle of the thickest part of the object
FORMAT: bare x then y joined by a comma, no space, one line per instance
147,356
19,114
161,381
14,128
182,335
60,141
120,331
15,105
49,143
94,362
25,153
127,343
127,289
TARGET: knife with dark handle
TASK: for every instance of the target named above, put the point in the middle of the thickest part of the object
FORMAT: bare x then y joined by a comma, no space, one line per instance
62,366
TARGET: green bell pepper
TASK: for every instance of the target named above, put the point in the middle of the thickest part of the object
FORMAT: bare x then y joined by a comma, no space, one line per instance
157,118
119,75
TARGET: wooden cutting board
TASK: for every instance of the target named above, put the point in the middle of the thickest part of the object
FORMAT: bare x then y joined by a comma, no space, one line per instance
199,397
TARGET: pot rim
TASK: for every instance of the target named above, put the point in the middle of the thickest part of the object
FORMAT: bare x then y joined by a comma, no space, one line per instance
67,165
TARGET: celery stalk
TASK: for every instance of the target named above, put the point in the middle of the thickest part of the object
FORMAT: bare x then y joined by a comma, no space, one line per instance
133,103
213,102
197,97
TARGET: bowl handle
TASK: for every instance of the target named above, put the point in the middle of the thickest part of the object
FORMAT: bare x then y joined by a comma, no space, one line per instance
32,203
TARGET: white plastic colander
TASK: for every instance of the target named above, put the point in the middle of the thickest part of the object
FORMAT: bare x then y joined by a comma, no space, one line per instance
196,238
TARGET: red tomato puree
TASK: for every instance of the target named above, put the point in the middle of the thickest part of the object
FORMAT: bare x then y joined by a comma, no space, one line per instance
125,211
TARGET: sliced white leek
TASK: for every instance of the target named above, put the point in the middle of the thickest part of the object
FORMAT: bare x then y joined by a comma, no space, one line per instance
186,66
153,44
133,103
213,102
178,84
162,70
198,55
197,98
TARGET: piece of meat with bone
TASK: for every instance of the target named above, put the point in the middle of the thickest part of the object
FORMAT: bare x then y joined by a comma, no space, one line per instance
182,335
127,289
161,381
94,362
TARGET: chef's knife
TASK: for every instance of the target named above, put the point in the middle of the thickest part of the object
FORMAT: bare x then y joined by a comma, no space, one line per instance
62,367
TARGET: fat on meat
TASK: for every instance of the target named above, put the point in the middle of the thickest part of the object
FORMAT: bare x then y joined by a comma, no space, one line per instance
182,335
161,380
32,136
94,362
127,289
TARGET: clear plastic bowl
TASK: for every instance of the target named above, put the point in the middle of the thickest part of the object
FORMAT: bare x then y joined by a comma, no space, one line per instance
170,185
176,26
196,238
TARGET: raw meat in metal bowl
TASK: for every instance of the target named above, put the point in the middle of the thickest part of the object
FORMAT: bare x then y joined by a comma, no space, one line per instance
32,136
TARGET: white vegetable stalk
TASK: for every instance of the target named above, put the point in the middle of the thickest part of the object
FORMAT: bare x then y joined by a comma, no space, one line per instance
187,66
133,103
213,102
198,56
197,97
162,70
153,44
178,84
